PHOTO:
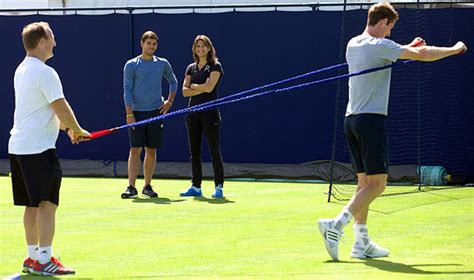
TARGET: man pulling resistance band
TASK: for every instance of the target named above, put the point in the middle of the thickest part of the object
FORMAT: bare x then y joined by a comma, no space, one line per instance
364,124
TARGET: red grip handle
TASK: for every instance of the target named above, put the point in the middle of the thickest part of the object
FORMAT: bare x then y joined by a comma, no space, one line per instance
101,133
417,44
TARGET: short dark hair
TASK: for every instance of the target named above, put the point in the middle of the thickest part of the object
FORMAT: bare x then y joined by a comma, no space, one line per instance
149,35
32,34
380,11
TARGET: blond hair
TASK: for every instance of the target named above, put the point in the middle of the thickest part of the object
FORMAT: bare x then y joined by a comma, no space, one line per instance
32,34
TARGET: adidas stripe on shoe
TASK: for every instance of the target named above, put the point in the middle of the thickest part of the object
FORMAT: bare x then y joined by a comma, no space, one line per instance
331,237
52,268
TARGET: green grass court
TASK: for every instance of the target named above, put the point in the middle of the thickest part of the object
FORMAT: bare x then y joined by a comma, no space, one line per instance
260,231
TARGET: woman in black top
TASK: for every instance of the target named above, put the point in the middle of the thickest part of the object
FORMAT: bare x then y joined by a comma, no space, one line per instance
201,85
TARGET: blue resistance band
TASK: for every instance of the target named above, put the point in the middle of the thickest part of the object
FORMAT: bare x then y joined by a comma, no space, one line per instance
241,96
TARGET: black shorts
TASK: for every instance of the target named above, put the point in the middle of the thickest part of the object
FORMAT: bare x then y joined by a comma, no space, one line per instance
368,144
148,135
35,178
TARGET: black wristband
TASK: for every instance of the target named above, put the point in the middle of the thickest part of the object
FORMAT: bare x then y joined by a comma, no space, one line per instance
67,129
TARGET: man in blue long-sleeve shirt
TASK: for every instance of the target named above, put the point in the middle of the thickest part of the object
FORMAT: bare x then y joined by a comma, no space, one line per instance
142,79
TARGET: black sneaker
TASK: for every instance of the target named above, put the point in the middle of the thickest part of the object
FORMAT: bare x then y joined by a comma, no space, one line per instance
147,190
130,192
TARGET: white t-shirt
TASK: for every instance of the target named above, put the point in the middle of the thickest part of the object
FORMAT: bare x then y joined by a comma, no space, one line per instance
35,125
369,93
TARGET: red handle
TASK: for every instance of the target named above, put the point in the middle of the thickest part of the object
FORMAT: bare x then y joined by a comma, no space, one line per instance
417,44
100,133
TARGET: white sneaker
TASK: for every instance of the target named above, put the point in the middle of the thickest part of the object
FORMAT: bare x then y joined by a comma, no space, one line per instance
371,250
331,237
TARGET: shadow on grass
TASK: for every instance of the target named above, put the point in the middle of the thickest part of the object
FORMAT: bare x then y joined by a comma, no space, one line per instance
403,268
333,261
30,276
214,200
411,268
156,200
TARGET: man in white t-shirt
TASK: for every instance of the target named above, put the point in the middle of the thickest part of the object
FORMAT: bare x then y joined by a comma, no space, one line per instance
40,112
364,124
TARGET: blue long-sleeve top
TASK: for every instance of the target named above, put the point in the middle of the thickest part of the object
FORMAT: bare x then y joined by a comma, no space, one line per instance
142,80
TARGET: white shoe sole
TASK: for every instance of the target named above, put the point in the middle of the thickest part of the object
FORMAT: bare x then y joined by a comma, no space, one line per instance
362,256
377,252
358,256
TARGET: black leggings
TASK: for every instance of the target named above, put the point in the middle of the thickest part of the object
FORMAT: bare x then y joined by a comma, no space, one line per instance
209,122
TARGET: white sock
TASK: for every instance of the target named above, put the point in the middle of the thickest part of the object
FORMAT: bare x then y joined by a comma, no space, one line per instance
343,219
33,252
44,254
361,233
196,189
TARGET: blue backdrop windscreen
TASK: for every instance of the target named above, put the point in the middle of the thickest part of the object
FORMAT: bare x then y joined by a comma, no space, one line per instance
258,48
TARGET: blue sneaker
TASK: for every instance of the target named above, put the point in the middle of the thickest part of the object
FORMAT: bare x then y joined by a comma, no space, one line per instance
192,191
218,193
